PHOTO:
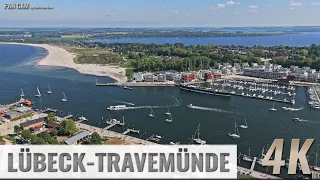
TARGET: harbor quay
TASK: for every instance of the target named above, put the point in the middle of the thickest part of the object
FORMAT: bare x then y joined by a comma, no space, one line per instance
108,133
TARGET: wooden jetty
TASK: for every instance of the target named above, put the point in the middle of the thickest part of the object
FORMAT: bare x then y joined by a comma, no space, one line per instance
131,130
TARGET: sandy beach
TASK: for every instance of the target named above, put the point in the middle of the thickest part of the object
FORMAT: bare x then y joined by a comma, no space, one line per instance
59,57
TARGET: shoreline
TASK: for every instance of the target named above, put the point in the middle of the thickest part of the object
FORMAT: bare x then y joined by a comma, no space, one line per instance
59,57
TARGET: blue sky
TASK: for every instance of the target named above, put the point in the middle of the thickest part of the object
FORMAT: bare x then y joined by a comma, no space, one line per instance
162,13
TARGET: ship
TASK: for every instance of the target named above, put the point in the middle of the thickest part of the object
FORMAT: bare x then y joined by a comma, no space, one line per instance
190,106
118,107
205,91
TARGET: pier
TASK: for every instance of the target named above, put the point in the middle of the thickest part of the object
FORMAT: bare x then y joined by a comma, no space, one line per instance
131,130
108,133
68,117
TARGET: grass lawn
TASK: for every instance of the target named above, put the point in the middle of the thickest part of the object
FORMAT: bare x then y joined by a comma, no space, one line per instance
239,176
115,141
73,36
94,56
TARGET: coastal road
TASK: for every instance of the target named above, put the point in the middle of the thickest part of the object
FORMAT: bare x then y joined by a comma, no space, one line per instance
113,134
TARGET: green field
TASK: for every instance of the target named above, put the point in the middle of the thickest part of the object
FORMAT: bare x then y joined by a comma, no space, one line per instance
94,56
73,36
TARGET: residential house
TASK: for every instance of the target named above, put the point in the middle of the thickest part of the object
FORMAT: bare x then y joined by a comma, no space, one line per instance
35,124
3,110
149,78
12,114
138,77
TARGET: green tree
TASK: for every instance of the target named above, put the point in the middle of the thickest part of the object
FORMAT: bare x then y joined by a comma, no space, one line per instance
95,138
17,129
67,128
51,117
26,134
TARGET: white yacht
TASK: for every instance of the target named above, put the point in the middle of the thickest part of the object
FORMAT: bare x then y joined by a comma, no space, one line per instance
151,114
22,93
244,126
49,90
273,109
64,99
169,120
198,140
236,133
82,118
39,94
168,113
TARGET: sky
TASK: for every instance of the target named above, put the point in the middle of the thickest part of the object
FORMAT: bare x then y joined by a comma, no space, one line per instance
162,13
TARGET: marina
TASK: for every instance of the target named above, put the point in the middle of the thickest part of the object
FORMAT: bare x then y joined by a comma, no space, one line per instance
256,90
313,93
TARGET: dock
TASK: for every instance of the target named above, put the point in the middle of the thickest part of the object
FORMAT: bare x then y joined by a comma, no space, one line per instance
138,84
68,117
131,130
108,133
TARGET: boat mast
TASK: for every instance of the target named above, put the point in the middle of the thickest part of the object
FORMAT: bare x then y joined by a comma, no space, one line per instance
245,122
199,131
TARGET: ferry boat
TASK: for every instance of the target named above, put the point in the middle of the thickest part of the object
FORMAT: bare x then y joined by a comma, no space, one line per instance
118,107
204,91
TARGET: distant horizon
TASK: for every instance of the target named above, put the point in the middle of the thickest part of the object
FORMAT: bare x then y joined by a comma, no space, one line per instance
156,27
162,13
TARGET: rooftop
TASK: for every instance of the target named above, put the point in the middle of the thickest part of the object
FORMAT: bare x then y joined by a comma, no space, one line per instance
12,113
3,108
77,137
22,109
28,123
52,124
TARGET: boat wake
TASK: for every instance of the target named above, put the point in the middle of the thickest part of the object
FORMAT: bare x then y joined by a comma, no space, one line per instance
212,109
292,109
147,107
124,102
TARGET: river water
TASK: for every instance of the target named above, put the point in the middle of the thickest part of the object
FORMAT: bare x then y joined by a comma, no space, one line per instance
216,120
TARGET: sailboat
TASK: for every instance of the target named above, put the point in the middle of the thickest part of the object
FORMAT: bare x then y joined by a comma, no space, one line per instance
49,91
198,140
22,93
273,109
247,157
64,98
169,120
151,114
168,112
244,126
39,94
236,133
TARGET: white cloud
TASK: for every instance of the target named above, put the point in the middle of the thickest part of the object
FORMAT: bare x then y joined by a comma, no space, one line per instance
292,8
230,3
165,7
218,6
295,4
315,3
270,5
253,6
252,10
175,11
189,14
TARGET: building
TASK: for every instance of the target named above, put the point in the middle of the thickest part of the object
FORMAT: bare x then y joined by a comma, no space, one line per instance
149,78
32,124
138,77
74,140
23,109
12,114
52,125
188,77
3,110
161,78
